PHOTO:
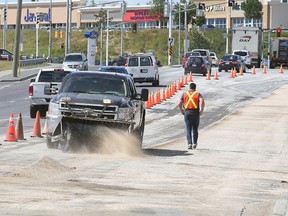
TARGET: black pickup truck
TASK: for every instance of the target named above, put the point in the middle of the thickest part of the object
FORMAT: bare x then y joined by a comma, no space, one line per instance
88,100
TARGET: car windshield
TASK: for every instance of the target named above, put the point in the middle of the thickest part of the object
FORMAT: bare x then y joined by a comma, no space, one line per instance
71,58
194,60
240,53
52,76
202,52
115,70
91,84
229,57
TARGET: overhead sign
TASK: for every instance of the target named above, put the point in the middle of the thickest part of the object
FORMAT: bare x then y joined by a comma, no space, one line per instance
170,41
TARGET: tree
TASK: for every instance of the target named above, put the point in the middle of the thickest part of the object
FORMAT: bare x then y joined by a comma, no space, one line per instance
190,13
158,9
200,20
101,17
252,9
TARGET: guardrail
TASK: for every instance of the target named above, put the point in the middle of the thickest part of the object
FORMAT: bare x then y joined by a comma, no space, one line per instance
32,61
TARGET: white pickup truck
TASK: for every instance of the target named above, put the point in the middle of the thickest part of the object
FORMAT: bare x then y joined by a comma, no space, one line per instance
43,88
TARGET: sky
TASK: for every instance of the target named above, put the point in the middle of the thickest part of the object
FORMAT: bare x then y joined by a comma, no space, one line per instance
130,2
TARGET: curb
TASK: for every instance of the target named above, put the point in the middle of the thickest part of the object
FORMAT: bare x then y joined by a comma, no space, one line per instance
14,79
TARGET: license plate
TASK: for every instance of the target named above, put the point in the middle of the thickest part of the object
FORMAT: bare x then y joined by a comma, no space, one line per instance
193,65
144,71
227,63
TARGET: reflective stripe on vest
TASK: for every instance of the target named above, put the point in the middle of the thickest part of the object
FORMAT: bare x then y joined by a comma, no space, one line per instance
192,100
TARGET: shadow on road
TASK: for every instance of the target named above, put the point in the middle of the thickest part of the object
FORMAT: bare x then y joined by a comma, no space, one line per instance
166,152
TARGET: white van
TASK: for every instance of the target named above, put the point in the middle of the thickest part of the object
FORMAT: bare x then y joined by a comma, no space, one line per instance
143,68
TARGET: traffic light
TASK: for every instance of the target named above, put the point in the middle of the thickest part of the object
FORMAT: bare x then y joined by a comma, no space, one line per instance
5,13
56,34
134,27
61,34
201,6
231,3
123,8
278,32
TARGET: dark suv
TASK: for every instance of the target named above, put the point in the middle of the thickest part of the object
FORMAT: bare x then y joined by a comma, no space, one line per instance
90,100
120,61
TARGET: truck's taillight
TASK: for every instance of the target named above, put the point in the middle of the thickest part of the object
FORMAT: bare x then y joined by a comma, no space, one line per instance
30,90
234,62
203,65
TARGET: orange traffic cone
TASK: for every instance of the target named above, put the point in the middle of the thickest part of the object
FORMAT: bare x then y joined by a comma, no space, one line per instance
148,103
264,69
281,69
241,71
216,77
234,73
19,128
190,77
208,76
231,74
254,70
37,128
11,133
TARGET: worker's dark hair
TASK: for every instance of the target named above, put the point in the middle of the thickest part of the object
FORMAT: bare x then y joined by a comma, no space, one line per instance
192,86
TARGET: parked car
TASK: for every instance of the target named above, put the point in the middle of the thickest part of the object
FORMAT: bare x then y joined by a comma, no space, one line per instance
186,56
197,64
229,61
116,69
6,55
75,61
214,59
207,26
245,55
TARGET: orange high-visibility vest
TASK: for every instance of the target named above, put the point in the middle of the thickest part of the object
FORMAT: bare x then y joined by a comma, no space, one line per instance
191,100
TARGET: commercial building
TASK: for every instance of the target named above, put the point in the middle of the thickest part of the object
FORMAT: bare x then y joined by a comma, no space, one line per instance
217,13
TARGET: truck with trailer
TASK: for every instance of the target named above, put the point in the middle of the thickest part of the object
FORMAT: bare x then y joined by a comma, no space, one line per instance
250,39
279,52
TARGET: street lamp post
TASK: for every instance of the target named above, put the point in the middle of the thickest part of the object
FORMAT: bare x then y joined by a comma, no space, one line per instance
185,26
227,29
179,38
50,34
107,37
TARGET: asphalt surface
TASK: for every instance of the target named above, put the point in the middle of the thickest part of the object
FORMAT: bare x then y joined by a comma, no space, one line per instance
280,208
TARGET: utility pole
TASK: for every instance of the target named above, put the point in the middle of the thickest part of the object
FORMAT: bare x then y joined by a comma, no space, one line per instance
37,29
67,28
107,37
50,34
170,32
5,25
179,33
17,38
185,26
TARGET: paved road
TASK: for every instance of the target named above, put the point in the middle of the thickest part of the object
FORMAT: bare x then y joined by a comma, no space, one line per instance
239,168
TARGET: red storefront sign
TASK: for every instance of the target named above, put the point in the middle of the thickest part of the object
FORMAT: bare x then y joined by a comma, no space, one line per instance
139,15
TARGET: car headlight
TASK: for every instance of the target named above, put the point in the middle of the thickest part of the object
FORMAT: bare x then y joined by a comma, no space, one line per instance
125,113
80,66
53,109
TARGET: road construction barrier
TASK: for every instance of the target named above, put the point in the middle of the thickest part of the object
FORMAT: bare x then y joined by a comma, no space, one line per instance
33,61
19,128
37,127
11,132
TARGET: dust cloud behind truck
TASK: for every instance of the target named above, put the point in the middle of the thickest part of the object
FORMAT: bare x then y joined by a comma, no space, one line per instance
250,39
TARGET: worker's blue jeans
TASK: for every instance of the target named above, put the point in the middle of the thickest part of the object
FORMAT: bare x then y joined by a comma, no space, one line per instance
192,124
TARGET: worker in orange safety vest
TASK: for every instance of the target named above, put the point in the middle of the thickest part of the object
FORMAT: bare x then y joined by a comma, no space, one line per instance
192,105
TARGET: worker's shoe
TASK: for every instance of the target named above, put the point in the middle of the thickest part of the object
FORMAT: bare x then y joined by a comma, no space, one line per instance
194,146
189,146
